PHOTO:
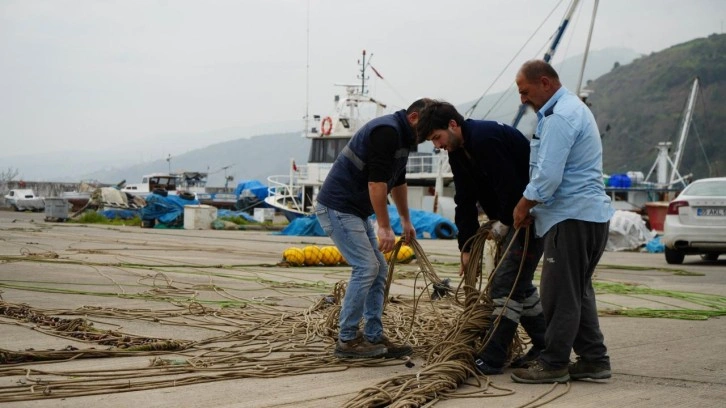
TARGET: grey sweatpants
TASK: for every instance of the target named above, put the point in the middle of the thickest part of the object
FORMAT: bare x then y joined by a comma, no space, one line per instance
572,249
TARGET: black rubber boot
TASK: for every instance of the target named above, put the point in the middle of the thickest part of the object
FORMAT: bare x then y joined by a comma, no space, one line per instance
495,353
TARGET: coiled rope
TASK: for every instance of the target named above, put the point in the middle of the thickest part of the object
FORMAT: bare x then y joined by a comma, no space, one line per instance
450,362
262,341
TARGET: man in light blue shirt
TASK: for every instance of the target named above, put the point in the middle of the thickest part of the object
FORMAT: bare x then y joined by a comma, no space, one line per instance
566,201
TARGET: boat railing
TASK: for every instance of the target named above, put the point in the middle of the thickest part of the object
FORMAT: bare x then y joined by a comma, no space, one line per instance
426,164
302,172
421,164
285,192
311,173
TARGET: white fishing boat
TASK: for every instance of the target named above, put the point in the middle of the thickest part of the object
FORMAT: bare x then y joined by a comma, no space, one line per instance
163,183
294,194
195,182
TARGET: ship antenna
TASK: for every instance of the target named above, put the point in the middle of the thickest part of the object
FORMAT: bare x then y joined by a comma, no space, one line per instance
363,66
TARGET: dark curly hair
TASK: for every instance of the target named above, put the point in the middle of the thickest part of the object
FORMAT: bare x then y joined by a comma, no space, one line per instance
436,115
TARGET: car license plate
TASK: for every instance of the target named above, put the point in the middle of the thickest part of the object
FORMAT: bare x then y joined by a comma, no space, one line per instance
711,212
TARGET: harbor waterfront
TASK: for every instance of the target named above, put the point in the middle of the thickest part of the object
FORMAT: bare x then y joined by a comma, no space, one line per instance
142,279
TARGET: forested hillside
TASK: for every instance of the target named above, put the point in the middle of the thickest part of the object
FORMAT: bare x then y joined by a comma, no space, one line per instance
642,103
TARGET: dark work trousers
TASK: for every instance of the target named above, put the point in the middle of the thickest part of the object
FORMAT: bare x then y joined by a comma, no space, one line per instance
504,278
524,301
572,249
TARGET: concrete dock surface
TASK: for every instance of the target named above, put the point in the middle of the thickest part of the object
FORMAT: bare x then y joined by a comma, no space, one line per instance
58,268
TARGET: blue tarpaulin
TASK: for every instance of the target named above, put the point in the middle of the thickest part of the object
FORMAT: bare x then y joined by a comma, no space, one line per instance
304,226
120,213
254,186
427,225
655,245
166,210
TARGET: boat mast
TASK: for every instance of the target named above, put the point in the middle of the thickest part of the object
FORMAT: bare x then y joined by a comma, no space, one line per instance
362,76
550,52
307,73
684,133
587,49
355,98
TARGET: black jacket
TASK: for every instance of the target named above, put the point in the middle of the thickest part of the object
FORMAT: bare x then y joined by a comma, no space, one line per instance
491,169
345,188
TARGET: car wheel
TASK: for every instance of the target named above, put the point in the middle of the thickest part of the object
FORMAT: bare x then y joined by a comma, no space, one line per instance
673,257
709,257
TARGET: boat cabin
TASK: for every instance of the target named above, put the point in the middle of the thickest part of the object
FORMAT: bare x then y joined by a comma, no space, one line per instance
326,150
151,182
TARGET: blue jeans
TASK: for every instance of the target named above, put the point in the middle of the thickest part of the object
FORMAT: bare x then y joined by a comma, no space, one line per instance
357,242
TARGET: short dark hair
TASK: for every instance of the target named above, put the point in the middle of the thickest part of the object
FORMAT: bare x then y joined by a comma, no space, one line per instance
435,116
418,105
535,69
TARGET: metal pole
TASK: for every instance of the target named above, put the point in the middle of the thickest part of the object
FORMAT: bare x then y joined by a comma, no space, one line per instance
363,75
684,131
662,160
307,75
550,53
587,49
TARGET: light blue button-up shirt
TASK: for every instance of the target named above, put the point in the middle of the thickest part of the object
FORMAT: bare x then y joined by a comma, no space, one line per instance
565,165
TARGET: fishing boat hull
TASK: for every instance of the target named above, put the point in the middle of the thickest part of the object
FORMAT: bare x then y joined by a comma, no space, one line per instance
284,205
77,199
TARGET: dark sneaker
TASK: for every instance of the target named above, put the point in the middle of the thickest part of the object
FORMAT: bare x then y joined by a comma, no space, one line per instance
394,350
537,373
483,368
582,369
358,348
525,360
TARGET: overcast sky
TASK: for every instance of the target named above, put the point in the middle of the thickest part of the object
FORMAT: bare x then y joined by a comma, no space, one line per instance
96,73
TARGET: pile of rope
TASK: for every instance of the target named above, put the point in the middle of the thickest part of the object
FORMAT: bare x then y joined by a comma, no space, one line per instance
77,329
259,340
255,341
449,363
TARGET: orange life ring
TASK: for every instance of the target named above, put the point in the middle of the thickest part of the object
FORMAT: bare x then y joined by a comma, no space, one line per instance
326,126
